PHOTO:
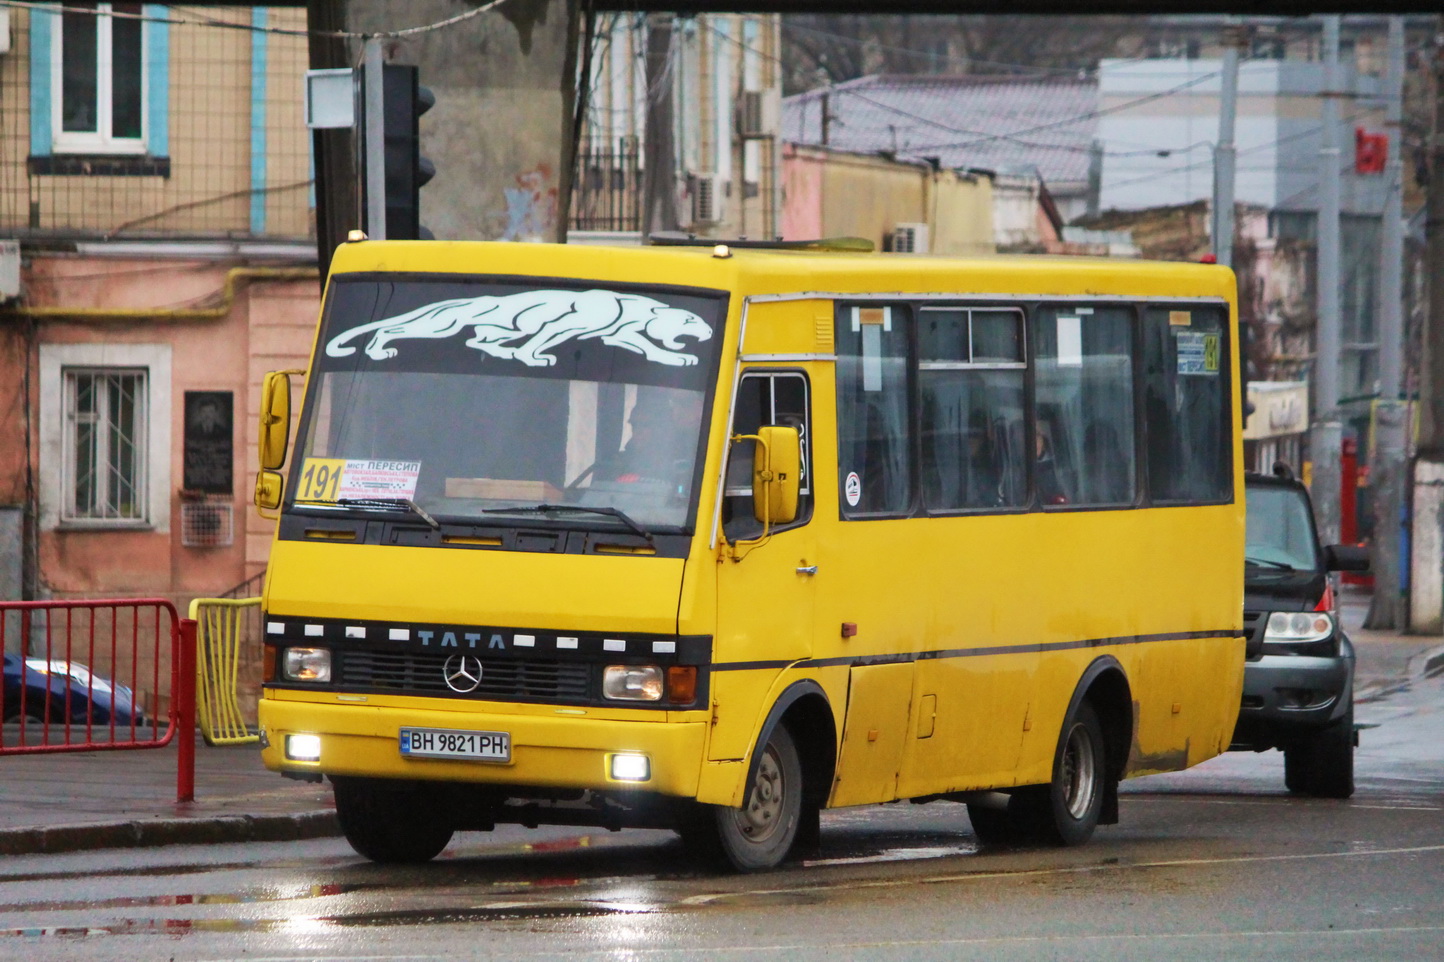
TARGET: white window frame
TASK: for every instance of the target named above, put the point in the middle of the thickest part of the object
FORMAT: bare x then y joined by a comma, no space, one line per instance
101,141
154,360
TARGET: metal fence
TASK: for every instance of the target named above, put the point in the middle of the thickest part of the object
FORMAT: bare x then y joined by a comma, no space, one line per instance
608,190
228,669
98,675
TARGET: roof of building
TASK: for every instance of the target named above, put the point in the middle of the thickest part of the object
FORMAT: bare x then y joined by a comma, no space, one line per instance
1003,124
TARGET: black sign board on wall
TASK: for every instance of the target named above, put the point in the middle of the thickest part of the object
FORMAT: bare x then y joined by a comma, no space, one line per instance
209,448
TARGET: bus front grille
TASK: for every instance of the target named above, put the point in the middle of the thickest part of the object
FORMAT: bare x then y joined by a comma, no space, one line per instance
424,674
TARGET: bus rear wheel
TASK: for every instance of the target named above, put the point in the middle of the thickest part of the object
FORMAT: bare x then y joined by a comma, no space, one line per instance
387,821
1066,811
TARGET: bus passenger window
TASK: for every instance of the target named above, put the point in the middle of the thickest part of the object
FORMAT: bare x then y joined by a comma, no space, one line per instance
763,399
874,472
970,379
1186,404
1084,452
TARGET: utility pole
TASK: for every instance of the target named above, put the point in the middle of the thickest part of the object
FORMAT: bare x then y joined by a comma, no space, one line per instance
1326,434
659,178
373,142
1225,153
1386,472
335,172
1426,579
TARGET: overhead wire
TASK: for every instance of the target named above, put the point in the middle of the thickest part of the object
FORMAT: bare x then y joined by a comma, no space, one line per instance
195,18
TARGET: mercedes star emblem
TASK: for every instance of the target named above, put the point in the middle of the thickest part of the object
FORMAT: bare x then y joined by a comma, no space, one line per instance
462,673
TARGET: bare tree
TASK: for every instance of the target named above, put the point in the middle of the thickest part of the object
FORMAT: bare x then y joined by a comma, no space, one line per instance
828,49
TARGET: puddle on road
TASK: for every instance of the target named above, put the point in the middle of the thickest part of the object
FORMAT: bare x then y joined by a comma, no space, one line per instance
505,912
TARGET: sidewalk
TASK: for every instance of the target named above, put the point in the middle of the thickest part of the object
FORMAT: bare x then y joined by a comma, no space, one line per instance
85,800
59,803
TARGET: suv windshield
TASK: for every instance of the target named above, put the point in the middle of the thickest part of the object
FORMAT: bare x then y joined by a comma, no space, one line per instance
470,396
1280,528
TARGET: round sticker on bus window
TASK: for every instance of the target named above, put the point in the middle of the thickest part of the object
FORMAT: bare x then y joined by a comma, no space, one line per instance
852,489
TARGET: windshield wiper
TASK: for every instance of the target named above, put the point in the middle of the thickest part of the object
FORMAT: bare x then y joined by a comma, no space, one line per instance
617,513
393,504
1272,564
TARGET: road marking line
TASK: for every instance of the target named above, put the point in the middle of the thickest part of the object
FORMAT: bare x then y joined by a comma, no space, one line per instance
1034,873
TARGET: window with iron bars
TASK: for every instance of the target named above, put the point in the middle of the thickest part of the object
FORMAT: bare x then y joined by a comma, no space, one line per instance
105,445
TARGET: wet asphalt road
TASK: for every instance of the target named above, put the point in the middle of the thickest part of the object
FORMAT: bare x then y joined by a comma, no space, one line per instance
1215,863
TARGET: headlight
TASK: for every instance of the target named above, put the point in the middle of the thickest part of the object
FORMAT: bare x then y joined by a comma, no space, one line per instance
632,683
306,664
1293,627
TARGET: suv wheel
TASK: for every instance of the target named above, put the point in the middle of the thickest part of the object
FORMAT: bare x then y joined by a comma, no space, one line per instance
1323,765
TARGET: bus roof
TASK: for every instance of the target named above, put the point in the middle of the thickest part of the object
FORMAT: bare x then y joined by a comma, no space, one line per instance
753,272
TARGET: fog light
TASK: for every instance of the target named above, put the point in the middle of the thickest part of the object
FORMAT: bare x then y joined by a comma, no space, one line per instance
631,768
306,664
303,748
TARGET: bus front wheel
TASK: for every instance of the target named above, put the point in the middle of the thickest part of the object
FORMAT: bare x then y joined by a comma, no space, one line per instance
1066,811
761,833
388,822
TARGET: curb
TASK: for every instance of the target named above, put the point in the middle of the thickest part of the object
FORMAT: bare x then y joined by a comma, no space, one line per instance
169,831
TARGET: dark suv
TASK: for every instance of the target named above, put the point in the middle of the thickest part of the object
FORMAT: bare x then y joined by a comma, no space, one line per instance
1298,680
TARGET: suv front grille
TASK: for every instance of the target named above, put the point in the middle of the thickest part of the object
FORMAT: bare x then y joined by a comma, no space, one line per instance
423,674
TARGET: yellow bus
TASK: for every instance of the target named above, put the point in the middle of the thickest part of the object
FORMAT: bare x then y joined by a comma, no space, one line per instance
715,537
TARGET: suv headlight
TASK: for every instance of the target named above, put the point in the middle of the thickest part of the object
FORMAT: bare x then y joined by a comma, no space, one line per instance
1294,627
306,664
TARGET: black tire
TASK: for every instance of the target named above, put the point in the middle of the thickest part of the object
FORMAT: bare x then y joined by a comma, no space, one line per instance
993,826
1329,757
760,835
1298,769
1066,811
387,822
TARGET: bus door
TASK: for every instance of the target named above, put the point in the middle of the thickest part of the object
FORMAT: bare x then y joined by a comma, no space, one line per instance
765,596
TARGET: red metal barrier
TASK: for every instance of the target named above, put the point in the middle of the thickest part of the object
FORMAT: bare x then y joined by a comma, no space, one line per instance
74,683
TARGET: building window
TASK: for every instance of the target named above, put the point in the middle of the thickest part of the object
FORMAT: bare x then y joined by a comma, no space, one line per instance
105,444
99,90
105,413
101,79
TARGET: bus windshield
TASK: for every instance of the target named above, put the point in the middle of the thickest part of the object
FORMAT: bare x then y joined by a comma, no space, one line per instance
476,398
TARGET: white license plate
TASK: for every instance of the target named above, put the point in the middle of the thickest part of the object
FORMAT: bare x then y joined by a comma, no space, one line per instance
449,743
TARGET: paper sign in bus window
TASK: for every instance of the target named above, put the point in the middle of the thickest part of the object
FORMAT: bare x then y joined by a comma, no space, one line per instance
871,322
331,479
1070,342
1197,353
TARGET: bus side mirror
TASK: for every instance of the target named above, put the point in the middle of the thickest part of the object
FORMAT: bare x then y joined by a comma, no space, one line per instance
776,474
269,485
275,419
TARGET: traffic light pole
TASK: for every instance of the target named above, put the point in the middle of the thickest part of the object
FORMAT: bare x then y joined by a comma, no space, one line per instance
374,139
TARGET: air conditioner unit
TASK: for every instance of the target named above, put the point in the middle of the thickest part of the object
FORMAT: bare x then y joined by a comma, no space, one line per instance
207,524
910,238
706,198
759,113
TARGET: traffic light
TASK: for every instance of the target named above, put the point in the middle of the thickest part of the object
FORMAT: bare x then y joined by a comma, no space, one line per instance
403,103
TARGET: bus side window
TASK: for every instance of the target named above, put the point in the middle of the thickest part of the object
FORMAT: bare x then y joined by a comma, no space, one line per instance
970,379
1186,404
874,466
1084,451
762,399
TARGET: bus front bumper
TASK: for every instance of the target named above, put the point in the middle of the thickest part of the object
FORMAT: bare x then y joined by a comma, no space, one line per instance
566,752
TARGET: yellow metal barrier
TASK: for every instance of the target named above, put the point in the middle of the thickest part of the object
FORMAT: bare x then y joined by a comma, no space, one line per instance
220,636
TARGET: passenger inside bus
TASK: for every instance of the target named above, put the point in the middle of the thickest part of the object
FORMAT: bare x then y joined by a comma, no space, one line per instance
1045,471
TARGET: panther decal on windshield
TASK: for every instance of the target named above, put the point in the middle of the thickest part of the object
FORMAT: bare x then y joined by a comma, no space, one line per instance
525,327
